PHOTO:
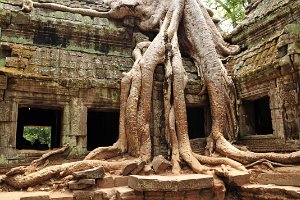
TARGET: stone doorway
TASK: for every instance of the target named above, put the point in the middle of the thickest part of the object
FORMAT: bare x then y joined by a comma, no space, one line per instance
102,128
38,129
257,115
195,117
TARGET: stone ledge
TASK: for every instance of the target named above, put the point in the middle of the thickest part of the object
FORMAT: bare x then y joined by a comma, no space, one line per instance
266,192
170,183
284,179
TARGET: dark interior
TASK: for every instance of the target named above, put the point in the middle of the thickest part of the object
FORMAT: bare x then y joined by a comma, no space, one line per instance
102,129
263,120
29,116
195,117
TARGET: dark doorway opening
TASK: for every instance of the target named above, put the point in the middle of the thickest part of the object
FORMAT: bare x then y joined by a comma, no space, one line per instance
102,128
257,117
195,117
263,120
38,129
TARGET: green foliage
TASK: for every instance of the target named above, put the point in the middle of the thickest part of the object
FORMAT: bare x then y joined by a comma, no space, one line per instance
77,152
43,134
3,160
232,10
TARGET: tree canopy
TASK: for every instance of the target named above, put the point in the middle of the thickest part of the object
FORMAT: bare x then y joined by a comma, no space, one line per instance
231,11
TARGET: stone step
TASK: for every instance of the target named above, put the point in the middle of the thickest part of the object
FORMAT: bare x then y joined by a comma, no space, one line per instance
284,179
170,183
112,181
118,193
36,196
235,177
269,192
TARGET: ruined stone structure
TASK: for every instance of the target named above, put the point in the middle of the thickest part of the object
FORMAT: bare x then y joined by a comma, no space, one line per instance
71,65
267,76
63,70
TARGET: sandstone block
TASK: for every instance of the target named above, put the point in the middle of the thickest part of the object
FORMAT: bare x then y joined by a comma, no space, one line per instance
236,177
81,184
35,196
170,183
259,191
285,179
94,173
61,196
16,62
105,182
20,18
84,195
139,168
120,181
160,164
154,195
3,82
174,195
129,168
126,193
105,194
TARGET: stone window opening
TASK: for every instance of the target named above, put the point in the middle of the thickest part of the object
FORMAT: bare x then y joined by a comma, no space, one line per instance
102,128
257,117
195,118
38,129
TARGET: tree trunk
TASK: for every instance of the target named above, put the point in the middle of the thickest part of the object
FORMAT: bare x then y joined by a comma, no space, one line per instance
206,46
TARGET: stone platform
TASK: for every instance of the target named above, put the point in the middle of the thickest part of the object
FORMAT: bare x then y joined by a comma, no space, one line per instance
181,187
170,183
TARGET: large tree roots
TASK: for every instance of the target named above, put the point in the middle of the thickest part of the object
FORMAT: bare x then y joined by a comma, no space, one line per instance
206,46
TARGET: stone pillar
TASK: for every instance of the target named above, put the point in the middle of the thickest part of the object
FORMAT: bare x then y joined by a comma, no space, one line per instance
157,127
8,127
75,126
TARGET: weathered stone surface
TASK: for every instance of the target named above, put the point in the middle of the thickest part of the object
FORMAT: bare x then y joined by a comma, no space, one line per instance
139,168
81,184
16,62
3,81
157,195
35,196
61,196
267,192
160,164
120,181
129,168
105,182
174,195
84,195
8,111
170,183
126,193
284,179
105,194
94,173
20,18
235,177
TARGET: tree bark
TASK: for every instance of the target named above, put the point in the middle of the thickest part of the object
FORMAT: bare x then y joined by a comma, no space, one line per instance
206,47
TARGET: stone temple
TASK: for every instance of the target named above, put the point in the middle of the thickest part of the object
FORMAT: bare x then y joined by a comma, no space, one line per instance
62,71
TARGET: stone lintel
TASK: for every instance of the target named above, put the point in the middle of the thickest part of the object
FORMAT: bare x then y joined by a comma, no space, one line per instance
170,183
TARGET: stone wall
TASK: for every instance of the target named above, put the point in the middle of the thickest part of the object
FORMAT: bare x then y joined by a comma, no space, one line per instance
70,62
269,67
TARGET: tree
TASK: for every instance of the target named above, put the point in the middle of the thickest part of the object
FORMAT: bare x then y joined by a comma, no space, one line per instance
189,22
43,134
232,10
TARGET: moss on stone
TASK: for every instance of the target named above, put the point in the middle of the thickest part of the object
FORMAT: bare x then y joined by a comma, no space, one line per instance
2,62
19,40
3,160
293,29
